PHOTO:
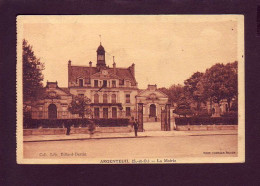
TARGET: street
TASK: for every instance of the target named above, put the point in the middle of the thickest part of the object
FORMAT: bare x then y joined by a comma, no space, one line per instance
148,147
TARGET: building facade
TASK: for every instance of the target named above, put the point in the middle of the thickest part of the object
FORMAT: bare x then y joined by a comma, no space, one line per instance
112,91
153,102
52,103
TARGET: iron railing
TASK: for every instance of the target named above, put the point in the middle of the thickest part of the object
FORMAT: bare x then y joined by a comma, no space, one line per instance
68,115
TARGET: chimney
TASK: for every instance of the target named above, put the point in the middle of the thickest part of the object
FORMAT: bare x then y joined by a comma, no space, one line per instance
132,69
90,68
114,65
152,87
69,72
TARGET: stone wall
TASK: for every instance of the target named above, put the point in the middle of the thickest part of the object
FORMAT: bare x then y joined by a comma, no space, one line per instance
58,131
205,127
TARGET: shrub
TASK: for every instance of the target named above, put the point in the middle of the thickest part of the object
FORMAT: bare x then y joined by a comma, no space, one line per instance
203,113
60,123
230,114
207,121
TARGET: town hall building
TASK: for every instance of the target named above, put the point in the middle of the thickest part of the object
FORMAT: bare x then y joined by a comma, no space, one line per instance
113,92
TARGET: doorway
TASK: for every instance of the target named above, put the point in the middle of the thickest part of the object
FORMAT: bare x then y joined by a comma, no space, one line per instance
152,110
52,111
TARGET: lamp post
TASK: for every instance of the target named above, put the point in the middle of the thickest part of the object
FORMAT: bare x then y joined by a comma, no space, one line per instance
140,117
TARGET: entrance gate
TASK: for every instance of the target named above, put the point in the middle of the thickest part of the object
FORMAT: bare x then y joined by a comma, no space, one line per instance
165,118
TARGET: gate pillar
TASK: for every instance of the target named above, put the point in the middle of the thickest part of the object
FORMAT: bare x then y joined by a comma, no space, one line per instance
140,117
168,117
163,119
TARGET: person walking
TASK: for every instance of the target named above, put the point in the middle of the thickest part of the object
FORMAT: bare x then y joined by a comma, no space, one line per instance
135,127
68,129
91,127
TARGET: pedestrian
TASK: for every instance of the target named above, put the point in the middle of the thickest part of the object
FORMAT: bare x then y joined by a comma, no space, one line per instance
135,127
91,127
132,122
68,129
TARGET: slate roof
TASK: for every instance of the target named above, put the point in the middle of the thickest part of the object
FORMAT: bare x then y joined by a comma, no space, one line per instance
84,72
41,93
66,90
101,48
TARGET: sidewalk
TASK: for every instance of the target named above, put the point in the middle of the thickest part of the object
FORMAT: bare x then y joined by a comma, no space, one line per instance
41,138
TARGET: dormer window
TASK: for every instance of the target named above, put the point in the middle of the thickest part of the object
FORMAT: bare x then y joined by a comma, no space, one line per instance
113,83
127,83
121,82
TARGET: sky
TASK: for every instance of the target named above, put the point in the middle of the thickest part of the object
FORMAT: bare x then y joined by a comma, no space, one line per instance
166,49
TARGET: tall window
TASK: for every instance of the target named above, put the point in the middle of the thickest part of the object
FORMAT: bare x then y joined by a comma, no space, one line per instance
104,83
105,113
114,112
128,111
113,83
105,98
127,98
81,82
95,83
96,112
96,98
113,98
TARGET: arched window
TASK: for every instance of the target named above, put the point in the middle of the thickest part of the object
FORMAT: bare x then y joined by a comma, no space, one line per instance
96,98
104,98
113,98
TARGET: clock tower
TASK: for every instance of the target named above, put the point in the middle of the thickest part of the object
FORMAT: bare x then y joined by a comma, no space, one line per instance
101,62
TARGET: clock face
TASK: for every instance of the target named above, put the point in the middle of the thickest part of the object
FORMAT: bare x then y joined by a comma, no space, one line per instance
52,94
152,96
100,57
104,72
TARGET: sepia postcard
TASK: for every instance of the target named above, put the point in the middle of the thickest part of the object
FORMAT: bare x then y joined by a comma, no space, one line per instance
130,89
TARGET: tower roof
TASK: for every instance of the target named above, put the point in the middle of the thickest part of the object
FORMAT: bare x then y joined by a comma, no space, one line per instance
100,48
